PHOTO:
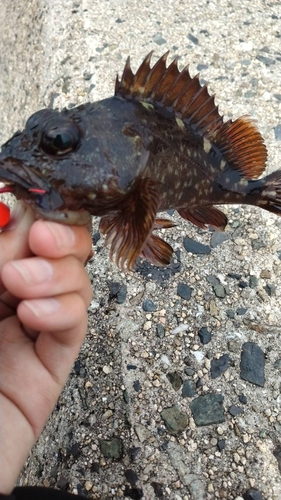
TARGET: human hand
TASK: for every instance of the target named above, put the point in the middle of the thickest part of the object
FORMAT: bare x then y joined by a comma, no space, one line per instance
44,295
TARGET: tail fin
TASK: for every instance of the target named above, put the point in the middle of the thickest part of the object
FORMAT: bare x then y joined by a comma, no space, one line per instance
271,193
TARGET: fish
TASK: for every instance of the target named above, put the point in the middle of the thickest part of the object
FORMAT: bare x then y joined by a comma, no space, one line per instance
159,143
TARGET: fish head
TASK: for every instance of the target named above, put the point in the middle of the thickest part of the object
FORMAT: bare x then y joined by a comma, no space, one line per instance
72,163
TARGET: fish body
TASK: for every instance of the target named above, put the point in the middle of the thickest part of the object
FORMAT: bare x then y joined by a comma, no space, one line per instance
159,143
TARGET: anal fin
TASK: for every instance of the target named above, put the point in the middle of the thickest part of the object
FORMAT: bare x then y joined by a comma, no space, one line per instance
205,216
157,251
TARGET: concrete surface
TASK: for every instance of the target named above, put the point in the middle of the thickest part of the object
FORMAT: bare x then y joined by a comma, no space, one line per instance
68,52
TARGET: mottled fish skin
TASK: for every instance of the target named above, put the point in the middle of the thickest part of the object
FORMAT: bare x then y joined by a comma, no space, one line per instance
159,143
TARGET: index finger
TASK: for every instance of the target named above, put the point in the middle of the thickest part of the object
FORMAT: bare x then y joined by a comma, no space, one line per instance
53,240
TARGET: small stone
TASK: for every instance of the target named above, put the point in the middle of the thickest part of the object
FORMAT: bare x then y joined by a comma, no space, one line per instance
204,335
219,291
218,237
158,489
241,311
193,39
221,444
184,291
252,364
242,284
270,289
131,476
88,485
112,448
258,244
265,273
235,410
148,305
95,238
202,66
277,364
134,452
117,292
207,409
277,132
147,326
233,346
243,399
107,369
195,247
158,38
174,419
137,385
266,60
160,330
213,308
175,380
188,389
230,313
253,494
220,365
211,278
253,282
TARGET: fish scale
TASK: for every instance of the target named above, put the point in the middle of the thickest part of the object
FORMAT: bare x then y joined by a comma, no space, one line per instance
158,143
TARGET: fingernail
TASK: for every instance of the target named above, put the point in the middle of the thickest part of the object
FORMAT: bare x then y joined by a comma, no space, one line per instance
63,235
34,271
42,307
17,215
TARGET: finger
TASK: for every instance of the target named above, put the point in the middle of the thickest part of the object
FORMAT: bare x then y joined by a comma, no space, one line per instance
38,278
53,314
53,240
14,238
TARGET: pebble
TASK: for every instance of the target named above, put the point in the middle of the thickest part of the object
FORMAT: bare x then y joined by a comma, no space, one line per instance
188,389
235,410
184,291
218,237
230,313
148,305
243,399
220,365
241,311
204,335
117,292
265,60
221,444
193,39
252,364
219,291
253,281
112,448
253,494
195,247
175,380
174,419
270,289
277,132
207,409
131,476
160,330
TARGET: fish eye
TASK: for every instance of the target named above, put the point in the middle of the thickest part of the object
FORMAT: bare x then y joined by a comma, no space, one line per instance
60,138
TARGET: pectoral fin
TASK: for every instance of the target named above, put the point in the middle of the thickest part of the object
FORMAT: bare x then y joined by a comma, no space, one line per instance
130,227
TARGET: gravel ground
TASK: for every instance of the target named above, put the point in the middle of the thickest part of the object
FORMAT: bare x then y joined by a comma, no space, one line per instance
176,392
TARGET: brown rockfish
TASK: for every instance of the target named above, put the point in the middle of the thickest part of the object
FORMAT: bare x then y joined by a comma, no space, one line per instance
159,143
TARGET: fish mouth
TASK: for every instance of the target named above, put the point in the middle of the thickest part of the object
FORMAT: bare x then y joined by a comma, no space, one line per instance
46,200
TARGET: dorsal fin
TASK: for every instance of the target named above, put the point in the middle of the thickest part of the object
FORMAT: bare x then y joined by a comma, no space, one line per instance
174,89
240,143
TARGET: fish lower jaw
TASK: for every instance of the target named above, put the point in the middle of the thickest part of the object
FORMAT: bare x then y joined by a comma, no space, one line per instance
68,217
